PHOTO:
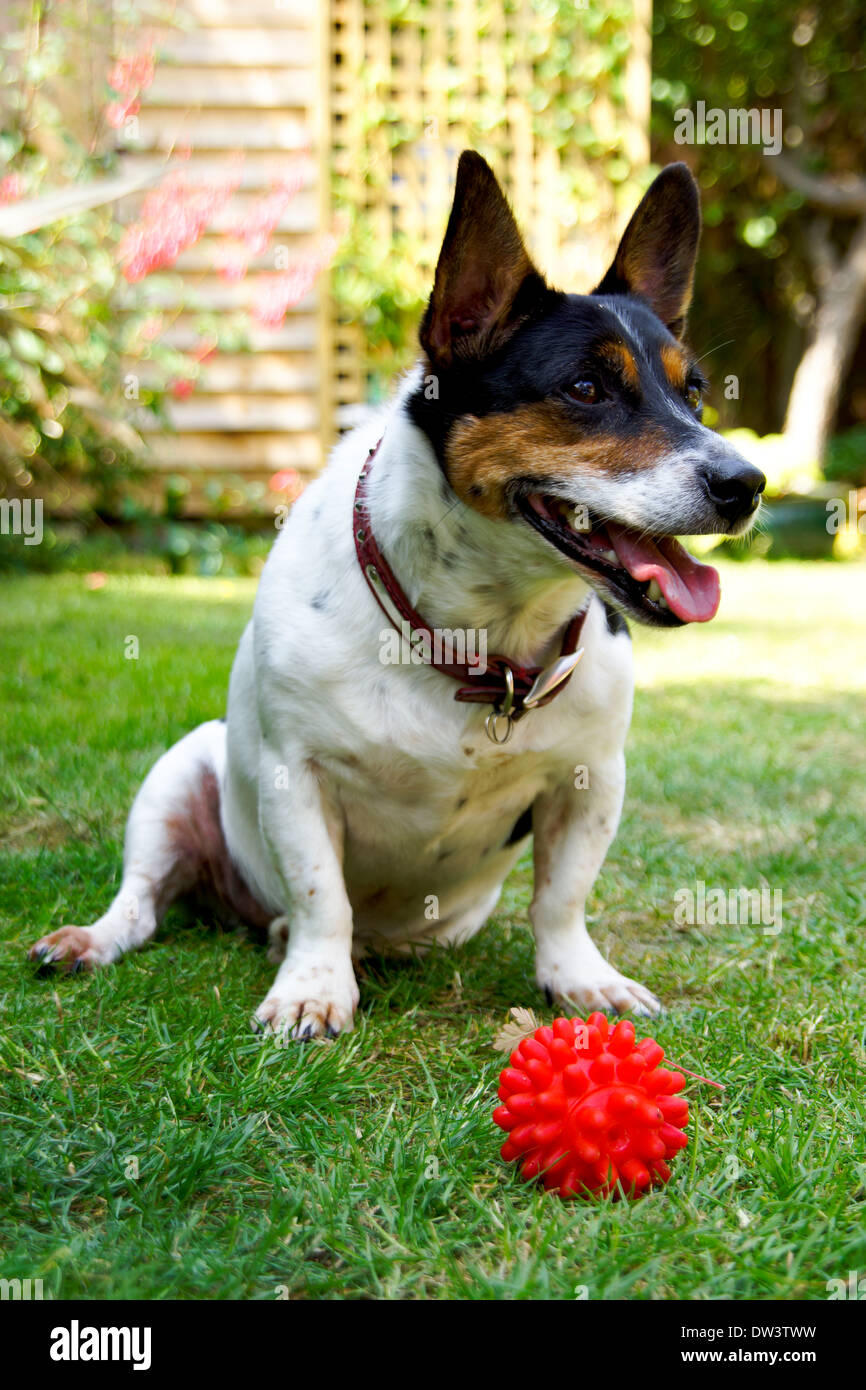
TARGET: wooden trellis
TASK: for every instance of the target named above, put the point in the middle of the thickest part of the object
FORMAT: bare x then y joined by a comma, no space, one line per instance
460,73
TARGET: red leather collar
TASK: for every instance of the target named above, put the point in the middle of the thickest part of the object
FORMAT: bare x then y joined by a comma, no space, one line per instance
513,690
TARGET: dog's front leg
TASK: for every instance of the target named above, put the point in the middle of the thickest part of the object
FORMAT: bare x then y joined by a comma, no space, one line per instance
573,828
315,991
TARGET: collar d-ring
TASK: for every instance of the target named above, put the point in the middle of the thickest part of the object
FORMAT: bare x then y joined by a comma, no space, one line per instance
491,723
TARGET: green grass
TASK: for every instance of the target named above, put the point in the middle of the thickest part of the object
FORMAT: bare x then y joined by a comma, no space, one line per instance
369,1166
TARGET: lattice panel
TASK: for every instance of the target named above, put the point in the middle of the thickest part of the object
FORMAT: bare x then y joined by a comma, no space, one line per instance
449,74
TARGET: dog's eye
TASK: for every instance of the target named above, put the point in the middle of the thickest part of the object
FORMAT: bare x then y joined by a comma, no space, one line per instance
694,395
586,390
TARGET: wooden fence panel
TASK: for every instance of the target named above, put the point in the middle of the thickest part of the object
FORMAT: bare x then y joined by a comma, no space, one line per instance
242,76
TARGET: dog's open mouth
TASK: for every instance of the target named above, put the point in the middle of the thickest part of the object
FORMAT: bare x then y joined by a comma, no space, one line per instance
652,577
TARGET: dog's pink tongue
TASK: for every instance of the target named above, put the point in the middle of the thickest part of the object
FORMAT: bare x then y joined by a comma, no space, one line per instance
690,588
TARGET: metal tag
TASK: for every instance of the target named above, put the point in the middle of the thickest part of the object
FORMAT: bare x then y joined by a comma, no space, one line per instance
551,677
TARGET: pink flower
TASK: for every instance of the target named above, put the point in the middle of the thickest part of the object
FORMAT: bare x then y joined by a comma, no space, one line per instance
133,73
151,328
204,349
130,76
173,217
181,388
251,236
277,293
11,189
232,259
287,480
116,112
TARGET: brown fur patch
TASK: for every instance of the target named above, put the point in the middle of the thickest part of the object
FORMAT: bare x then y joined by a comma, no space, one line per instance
674,364
622,360
484,455
203,864
68,944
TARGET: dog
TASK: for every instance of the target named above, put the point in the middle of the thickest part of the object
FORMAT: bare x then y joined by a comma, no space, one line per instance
376,778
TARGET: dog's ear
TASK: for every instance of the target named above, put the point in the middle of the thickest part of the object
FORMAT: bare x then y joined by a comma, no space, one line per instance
486,284
656,257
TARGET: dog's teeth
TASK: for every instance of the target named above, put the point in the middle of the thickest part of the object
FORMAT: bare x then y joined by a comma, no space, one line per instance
655,592
609,555
663,603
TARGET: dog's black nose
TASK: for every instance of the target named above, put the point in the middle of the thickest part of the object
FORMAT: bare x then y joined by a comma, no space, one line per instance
733,486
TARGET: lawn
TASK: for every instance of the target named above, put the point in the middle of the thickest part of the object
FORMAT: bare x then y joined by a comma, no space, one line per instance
153,1147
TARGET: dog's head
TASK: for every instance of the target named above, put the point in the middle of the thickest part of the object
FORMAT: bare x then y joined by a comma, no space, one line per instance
580,415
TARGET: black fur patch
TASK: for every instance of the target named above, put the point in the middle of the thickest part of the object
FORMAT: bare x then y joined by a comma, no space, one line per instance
616,623
521,828
567,334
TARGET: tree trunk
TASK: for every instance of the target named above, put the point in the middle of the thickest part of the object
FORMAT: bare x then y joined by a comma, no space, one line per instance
819,378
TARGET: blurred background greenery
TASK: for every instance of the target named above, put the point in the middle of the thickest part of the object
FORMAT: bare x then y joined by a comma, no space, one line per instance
780,296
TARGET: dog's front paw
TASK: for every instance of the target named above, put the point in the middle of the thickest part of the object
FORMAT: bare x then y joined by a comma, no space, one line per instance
589,982
308,1003
68,948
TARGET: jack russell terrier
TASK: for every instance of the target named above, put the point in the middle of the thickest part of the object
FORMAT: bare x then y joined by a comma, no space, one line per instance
439,638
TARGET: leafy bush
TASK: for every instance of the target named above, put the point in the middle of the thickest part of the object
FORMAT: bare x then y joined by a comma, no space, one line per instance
65,424
846,457
84,361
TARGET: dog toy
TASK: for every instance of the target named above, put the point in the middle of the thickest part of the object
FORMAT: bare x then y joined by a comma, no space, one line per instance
588,1110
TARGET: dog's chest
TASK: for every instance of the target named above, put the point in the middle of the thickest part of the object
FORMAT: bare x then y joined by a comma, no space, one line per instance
421,825
397,795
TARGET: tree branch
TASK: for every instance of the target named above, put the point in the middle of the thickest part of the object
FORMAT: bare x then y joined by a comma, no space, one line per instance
31,214
846,196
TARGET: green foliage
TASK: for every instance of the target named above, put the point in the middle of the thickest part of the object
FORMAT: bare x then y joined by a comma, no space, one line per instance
152,545
65,425
64,416
846,456
755,288
382,288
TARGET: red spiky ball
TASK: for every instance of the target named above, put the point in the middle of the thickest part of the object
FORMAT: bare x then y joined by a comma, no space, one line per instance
588,1110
